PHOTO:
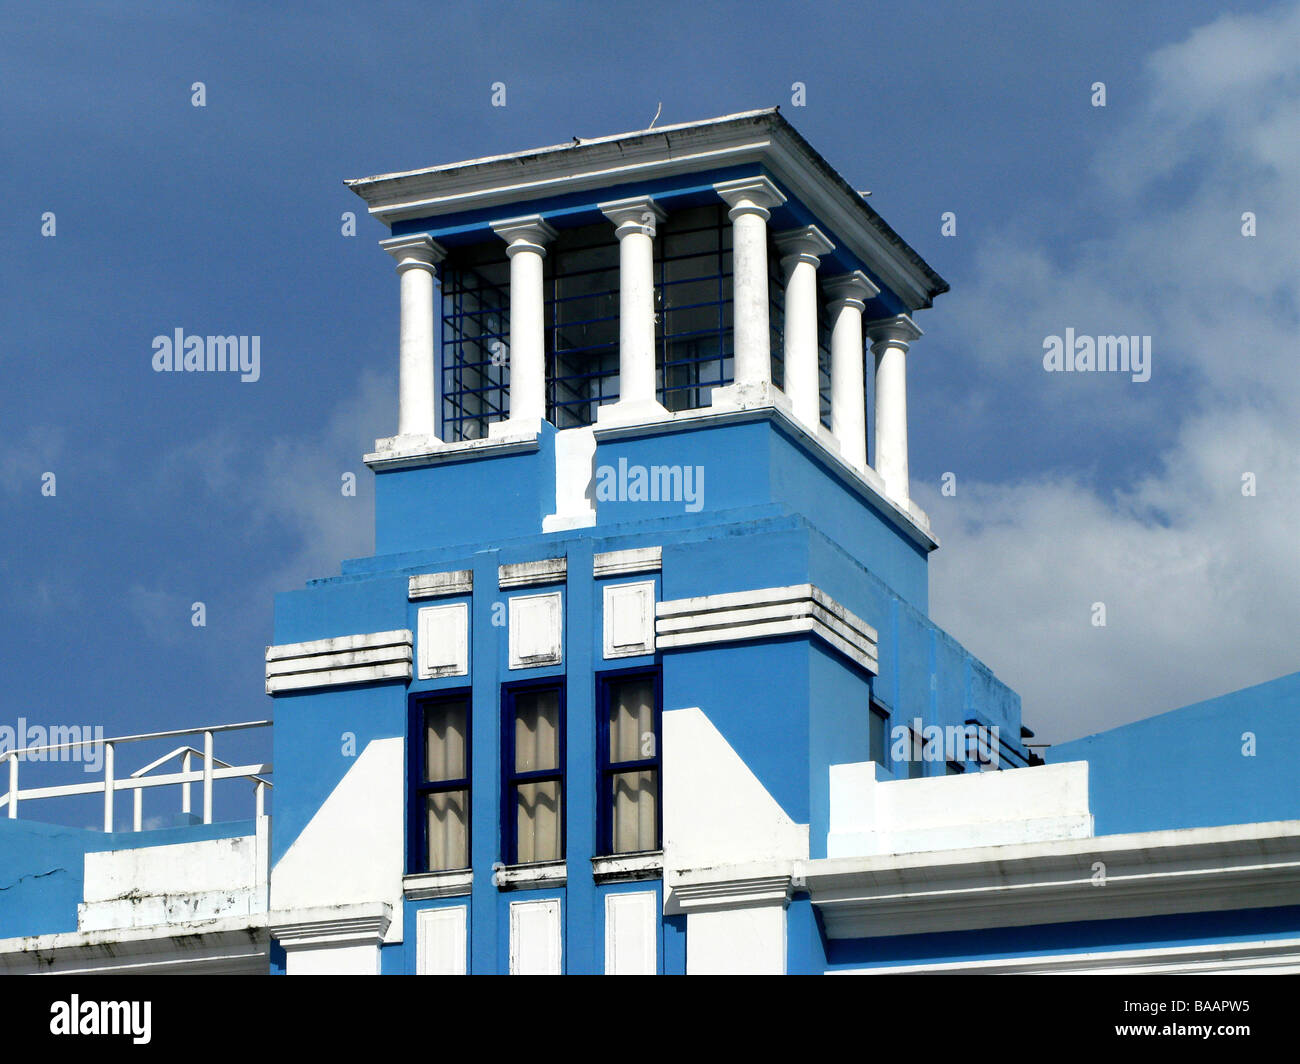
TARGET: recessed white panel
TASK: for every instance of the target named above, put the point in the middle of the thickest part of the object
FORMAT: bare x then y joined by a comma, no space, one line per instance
440,940
444,641
630,619
535,937
631,932
536,630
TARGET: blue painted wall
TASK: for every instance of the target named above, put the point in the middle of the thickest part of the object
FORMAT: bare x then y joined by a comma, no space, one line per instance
1193,767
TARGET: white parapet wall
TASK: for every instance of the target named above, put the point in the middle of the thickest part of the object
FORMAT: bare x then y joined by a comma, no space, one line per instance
180,884
871,816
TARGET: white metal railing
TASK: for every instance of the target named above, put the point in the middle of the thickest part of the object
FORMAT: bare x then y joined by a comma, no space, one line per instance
210,770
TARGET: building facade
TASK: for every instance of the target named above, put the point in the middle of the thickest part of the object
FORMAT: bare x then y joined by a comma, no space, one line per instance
641,677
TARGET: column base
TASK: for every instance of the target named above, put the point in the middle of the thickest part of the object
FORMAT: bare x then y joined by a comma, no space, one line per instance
631,412
515,428
748,395
401,446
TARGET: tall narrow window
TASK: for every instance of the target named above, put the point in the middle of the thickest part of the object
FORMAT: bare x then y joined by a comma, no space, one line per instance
440,823
534,774
879,734
630,769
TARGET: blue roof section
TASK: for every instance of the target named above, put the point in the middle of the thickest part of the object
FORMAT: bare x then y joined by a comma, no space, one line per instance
1227,760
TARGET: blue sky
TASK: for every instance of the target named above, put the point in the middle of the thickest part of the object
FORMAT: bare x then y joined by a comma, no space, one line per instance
176,488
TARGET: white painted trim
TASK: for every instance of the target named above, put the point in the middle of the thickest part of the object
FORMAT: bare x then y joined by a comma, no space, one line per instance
541,874
1268,956
229,945
441,940
421,886
334,925
335,662
438,585
409,452
627,562
766,612
618,868
533,574
1154,873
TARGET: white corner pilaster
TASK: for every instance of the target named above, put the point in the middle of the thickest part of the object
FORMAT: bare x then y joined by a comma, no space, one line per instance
526,239
751,200
417,258
889,342
847,296
801,251
635,220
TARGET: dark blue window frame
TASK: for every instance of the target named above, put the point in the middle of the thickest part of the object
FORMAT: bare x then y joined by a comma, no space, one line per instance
510,779
417,841
609,770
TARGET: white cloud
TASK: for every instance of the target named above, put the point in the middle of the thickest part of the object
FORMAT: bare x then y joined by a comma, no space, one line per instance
1201,583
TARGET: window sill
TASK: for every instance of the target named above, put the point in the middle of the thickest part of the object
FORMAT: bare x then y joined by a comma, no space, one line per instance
542,874
453,884
617,868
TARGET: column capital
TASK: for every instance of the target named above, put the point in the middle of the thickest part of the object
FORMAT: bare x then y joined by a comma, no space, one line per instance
750,195
529,233
415,251
849,290
897,331
639,214
805,244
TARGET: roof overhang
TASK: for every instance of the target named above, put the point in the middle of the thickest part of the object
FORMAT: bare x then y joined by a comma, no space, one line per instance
763,139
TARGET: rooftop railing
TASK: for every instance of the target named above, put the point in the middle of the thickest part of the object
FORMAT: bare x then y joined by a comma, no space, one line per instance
208,770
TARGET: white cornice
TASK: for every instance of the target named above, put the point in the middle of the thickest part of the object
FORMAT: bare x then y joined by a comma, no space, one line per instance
438,585
759,138
334,925
1105,878
623,562
1273,955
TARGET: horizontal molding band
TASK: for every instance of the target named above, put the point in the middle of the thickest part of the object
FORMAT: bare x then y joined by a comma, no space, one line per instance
765,613
532,574
368,658
436,585
625,562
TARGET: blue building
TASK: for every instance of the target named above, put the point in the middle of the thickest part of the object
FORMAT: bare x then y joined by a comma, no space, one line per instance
641,676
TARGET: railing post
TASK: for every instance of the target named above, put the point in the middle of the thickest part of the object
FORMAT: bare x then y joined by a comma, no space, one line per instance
207,777
260,790
186,759
108,786
137,818
13,786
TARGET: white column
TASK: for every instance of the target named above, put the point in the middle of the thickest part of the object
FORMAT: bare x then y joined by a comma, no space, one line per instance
800,256
847,295
416,257
635,220
750,200
526,239
889,342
